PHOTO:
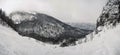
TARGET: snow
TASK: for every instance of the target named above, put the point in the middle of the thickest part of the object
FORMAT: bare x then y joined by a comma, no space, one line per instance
104,43
17,17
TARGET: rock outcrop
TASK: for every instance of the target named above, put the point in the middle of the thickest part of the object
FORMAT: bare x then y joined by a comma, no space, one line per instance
110,15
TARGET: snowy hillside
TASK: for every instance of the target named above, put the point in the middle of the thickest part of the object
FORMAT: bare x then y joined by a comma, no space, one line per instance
105,40
104,43
110,15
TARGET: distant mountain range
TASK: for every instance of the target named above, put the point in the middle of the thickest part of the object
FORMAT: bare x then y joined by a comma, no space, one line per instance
86,26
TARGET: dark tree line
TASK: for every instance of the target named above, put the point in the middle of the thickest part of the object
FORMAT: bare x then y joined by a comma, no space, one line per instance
6,19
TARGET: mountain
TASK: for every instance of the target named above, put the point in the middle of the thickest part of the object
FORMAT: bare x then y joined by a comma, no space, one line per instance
108,28
110,15
11,43
86,26
44,28
105,42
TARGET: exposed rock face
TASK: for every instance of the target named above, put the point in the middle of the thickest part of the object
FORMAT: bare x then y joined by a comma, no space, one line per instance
44,28
110,15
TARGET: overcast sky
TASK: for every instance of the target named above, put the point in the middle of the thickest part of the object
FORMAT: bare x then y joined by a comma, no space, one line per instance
64,10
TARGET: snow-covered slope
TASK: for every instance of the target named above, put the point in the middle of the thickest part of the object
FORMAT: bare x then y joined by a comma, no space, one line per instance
104,43
110,15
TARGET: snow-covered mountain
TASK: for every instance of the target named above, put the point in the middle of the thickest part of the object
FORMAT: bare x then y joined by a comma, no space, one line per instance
110,15
44,28
104,41
11,43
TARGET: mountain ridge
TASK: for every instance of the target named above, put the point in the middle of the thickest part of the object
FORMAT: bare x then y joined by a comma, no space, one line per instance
44,28
110,15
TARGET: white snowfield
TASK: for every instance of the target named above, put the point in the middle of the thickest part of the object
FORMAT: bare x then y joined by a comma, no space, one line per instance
105,43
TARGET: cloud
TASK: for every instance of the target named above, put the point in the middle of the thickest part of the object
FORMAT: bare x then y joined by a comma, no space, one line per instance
64,10
12,5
